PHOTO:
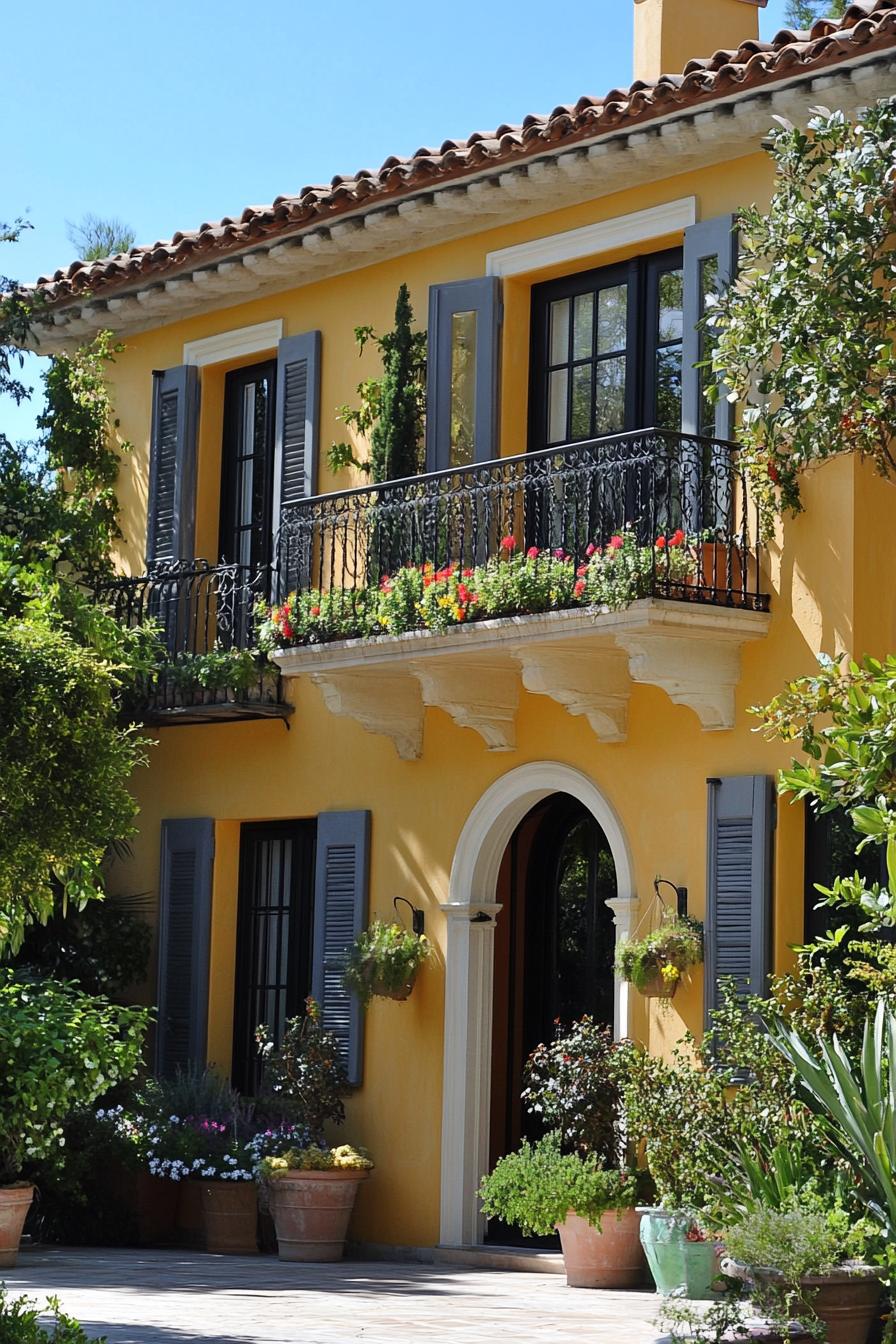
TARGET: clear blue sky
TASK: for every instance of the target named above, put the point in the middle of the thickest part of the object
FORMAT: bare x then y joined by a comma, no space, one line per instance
166,115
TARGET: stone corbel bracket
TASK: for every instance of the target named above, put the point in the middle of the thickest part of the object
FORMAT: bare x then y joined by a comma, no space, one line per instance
699,669
382,701
477,694
586,678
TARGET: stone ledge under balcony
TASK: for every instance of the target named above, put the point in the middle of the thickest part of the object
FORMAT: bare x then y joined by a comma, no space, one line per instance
587,661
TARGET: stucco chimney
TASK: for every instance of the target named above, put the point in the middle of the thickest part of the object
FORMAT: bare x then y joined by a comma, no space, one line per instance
669,33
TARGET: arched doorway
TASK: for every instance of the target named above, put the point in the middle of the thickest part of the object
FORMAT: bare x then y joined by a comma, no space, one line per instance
471,912
554,947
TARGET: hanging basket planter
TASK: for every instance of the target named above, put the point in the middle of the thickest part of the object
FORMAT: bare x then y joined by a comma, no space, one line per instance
384,962
655,964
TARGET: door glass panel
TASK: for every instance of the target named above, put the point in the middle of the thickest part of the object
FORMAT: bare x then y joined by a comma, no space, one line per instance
560,331
557,396
581,401
668,387
463,389
671,290
609,396
246,474
612,319
583,325
709,283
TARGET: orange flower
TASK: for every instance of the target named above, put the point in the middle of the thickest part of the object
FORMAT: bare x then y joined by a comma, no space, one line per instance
579,588
315,611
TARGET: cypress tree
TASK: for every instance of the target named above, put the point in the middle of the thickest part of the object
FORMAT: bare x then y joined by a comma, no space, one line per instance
396,437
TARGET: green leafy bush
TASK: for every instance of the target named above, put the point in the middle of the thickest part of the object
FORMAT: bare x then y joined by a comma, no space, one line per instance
572,1085
817,267
801,1238
535,1187
667,951
59,1050
304,1078
20,1323
384,960
316,1158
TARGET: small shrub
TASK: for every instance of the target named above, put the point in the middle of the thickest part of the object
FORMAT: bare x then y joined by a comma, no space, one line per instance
20,1323
316,1158
535,1187
304,1078
572,1085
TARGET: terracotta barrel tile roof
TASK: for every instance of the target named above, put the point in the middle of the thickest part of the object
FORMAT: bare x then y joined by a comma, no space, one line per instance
866,23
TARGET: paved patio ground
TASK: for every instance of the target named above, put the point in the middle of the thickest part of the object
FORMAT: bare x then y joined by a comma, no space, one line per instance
172,1297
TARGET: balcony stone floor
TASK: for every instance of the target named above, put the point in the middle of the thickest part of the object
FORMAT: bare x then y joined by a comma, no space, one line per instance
171,1297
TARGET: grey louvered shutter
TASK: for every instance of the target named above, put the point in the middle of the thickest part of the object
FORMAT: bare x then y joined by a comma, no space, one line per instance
340,913
172,464
480,299
185,909
741,818
710,264
296,446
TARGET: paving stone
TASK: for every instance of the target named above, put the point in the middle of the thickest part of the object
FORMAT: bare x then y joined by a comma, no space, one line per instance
174,1297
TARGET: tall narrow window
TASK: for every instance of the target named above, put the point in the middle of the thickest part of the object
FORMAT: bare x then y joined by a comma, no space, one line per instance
273,961
607,351
247,475
462,447
462,373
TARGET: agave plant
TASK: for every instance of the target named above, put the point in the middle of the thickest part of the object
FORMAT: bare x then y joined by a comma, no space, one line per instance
855,1102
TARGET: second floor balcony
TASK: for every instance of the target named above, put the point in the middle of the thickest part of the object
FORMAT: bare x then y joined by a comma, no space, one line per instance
571,572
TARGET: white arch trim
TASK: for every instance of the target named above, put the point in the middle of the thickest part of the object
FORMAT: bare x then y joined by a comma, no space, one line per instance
471,910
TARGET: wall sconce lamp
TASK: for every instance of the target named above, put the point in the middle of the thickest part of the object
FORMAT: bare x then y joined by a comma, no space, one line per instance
417,917
681,895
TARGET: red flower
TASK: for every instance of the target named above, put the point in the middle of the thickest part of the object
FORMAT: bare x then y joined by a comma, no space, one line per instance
559,554
579,587
286,630
615,542
468,573
661,543
315,611
533,553
677,537
590,549
773,473
463,592
508,543
582,571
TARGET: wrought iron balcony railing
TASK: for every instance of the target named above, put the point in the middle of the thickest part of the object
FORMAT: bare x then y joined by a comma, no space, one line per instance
652,482
204,618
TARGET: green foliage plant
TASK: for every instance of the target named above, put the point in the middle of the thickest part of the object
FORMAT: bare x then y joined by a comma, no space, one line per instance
384,961
572,1084
804,338
393,405
105,946
304,1079
844,718
666,952
801,14
95,237
236,670
20,1323
535,1187
60,1049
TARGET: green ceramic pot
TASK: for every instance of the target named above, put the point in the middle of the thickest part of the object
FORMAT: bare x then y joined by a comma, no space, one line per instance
686,1268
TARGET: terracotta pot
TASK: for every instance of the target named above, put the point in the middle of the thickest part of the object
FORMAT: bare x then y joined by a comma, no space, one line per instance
712,571
311,1210
190,1226
230,1217
610,1256
15,1201
847,1303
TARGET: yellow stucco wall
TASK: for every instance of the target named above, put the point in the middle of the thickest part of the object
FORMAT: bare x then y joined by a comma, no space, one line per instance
822,572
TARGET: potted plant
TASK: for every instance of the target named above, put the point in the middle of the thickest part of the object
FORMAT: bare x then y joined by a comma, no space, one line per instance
59,1050
805,1262
655,963
384,960
539,1188
196,1131
311,1190
580,1178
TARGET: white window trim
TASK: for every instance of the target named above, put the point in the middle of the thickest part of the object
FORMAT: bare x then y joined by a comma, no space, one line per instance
233,344
556,248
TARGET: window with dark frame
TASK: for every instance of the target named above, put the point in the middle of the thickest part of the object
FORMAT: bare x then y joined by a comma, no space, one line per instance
274,930
247,466
606,351
830,852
